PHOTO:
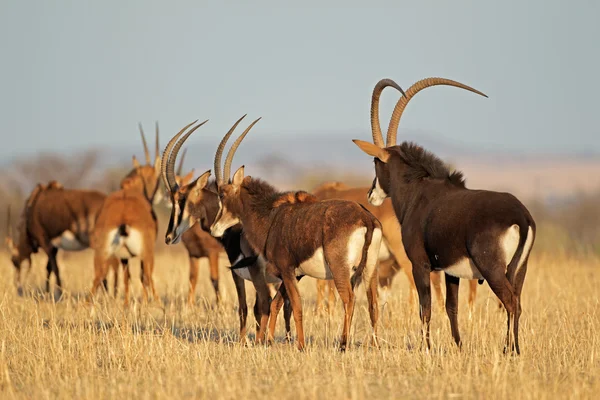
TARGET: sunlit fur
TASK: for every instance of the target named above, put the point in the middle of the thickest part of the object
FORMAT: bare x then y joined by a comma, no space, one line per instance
53,213
127,215
290,233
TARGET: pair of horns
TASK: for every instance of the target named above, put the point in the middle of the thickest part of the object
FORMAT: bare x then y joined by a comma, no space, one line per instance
401,105
146,151
220,177
169,156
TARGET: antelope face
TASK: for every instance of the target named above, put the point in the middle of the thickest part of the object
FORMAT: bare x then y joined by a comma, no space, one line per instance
380,188
229,205
187,207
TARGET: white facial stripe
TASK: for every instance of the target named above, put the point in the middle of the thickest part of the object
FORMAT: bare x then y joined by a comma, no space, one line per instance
223,221
377,194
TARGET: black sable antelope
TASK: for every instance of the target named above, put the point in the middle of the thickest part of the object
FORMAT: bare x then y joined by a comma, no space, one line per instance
299,235
469,234
198,202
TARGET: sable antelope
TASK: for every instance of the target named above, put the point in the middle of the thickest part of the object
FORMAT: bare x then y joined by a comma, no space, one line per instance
127,226
198,202
199,243
57,218
469,234
299,235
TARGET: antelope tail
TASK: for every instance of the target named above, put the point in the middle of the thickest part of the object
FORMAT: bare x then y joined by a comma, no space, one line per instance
123,230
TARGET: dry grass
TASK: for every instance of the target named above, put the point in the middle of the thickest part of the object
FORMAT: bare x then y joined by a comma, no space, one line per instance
70,349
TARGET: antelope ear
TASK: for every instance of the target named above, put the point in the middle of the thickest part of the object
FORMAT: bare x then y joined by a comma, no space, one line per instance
136,163
373,150
238,177
202,181
185,179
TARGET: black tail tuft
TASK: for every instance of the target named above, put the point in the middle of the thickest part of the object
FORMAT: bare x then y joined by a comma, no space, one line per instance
123,230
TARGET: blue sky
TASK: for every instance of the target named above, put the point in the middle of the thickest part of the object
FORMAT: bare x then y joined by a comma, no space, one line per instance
77,74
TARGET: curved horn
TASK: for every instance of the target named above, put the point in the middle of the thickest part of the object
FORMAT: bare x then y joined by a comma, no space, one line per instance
173,157
234,146
219,153
166,153
180,166
156,145
146,152
414,89
375,126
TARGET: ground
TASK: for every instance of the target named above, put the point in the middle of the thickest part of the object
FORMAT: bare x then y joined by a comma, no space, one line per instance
70,349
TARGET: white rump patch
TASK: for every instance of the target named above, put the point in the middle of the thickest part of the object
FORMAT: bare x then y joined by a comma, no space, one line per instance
125,247
509,243
68,241
377,195
526,249
463,269
315,266
356,242
373,254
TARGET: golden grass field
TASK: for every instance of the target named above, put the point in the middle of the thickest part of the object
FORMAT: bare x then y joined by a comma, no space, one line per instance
166,350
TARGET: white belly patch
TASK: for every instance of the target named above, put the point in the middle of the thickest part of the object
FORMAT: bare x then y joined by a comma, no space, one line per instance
463,269
68,241
315,266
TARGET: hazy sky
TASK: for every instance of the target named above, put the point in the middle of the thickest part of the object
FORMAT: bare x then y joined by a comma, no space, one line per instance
75,74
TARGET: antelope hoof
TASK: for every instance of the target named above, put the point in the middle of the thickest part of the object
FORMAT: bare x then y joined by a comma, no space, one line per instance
20,291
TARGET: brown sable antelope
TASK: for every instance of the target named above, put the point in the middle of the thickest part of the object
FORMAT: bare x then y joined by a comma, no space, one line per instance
57,218
198,202
469,234
127,226
199,243
299,235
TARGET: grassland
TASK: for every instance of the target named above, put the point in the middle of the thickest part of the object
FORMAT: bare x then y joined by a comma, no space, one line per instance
70,349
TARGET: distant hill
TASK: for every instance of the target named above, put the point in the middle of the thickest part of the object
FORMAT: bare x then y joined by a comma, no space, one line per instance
288,157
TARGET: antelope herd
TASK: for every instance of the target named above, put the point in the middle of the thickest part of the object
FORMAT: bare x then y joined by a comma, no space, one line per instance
417,216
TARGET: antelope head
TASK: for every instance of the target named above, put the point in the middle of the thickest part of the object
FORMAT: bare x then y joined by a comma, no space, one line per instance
187,196
146,177
230,204
386,158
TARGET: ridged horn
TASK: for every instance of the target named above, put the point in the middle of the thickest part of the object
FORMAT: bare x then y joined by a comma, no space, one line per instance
375,125
219,153
156,143
166,153
146,152
234,146
173,156
180,166
410,93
